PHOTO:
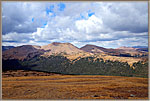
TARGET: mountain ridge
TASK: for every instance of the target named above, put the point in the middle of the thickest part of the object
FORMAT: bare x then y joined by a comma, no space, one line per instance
6,47
68,59
55,48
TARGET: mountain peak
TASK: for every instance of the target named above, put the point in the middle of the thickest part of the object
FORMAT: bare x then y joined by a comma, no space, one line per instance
93,48
58,43
90,45
55,43
57,47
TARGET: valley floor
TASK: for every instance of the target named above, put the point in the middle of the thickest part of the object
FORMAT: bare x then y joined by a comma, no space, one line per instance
74,87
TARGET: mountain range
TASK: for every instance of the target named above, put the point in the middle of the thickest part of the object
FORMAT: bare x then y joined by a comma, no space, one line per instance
68,59
27,51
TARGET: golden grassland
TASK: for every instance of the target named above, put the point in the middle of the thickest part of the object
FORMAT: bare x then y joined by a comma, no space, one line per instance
74,87
129,60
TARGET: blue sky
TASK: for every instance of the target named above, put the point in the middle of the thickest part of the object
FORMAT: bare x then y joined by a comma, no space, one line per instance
61,6
105,24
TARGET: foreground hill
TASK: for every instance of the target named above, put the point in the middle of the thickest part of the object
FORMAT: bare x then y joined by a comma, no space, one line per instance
74,87
82,66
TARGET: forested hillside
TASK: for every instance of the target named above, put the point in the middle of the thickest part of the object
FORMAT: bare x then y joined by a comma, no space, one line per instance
83,66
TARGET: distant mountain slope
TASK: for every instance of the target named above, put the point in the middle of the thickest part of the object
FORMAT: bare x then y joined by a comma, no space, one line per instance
122,51
64,48
6,47
140,46
97,49
143,49
127,48
93,49
130,50
70,51
22,52
27,51
139,50
68,59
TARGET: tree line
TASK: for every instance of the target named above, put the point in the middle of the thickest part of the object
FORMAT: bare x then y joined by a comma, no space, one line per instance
83,66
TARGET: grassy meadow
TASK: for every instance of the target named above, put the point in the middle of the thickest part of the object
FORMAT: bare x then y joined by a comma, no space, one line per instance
74,87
